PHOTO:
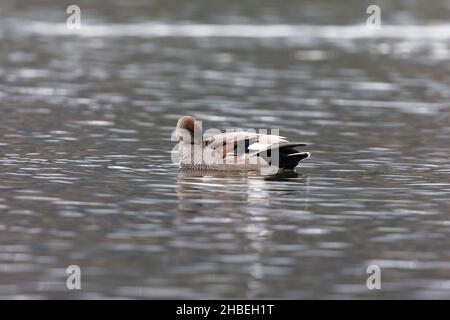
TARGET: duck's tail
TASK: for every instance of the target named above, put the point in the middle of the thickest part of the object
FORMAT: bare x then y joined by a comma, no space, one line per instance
290,161
288,156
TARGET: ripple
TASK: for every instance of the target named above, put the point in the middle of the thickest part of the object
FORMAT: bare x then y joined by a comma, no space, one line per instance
438,31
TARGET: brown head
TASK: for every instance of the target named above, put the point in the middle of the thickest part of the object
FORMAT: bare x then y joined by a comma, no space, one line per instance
189,130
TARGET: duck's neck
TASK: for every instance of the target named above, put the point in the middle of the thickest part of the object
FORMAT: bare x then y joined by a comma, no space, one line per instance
191,153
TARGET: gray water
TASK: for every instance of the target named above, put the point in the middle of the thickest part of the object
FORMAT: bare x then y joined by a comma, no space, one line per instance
86,176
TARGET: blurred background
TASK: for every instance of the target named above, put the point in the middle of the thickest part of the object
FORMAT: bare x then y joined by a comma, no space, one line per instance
86,179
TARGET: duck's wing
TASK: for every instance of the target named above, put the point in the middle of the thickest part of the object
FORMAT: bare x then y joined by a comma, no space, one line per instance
257,148
287,156
243,142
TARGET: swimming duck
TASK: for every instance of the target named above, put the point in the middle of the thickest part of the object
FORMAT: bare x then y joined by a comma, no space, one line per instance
237,150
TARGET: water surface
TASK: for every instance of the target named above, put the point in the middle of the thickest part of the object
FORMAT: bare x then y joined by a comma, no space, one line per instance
85,148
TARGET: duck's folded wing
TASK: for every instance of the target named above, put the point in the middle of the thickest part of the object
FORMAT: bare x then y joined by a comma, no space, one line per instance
282,155
242,142
257,148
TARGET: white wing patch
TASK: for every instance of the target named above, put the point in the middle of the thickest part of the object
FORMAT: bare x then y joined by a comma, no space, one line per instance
258,146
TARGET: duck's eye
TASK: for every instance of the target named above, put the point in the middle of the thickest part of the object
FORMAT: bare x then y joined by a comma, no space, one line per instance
181,138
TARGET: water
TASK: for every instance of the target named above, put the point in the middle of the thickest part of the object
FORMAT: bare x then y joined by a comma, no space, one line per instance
85,142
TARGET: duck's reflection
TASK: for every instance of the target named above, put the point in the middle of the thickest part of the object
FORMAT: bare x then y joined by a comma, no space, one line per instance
250,202
238,188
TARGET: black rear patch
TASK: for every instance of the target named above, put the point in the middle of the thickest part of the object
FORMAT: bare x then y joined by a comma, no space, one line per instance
247,144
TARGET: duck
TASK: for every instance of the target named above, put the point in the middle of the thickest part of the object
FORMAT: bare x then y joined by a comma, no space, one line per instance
234,150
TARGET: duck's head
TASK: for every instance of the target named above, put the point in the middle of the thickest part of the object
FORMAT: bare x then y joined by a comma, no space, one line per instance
189,130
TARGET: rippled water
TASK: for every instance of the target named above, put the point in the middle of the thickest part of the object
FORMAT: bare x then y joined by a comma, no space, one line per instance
85,142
